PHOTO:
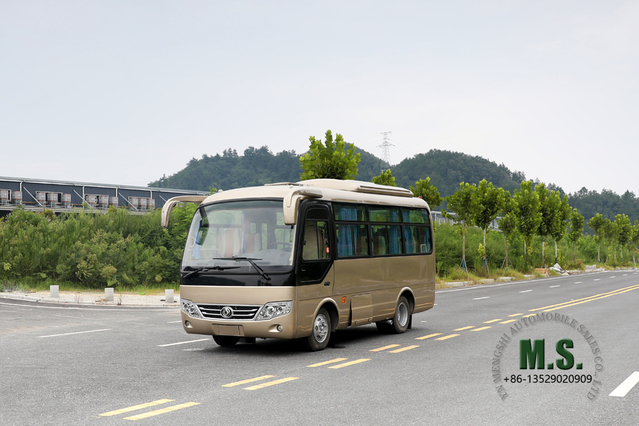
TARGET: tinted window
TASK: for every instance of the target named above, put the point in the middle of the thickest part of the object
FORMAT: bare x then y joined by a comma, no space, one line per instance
416,216
418,239
385,214
352,240
387,240
350,213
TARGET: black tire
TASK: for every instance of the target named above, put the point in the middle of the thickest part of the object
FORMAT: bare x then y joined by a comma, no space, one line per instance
226,341
321,333
402,318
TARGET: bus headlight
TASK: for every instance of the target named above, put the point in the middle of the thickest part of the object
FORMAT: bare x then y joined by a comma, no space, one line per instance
190,309
274,309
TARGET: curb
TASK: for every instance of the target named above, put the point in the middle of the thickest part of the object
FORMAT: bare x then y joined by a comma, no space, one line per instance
63,301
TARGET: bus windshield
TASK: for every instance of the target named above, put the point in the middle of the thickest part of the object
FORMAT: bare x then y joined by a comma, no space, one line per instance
234,237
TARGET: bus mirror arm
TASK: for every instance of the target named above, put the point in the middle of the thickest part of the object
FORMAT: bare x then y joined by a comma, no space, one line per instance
168,206
292,202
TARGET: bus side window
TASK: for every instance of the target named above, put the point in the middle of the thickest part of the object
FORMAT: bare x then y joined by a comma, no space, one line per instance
352,240
418,239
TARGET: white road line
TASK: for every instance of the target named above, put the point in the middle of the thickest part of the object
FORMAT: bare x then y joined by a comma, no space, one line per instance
173,322
77,332
596,279
614,276
525,291
578,282
481,298
626,385
553,286
182,343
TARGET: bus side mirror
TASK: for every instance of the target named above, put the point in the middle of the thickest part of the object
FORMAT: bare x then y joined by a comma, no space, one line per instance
292,202
168,206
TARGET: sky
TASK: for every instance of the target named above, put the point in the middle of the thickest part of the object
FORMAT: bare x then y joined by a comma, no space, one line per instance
124,92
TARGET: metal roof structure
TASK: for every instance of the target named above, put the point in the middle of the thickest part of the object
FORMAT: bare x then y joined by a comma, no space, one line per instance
63,196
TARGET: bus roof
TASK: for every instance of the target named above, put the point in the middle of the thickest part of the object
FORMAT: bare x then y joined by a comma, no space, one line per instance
348,191
345,191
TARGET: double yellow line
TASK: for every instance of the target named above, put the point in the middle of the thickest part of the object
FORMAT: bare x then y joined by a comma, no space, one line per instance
586,299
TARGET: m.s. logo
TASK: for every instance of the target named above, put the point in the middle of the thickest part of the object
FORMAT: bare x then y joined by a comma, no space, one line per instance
532,355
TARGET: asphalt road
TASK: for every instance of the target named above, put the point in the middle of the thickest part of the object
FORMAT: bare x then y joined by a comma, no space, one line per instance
62,365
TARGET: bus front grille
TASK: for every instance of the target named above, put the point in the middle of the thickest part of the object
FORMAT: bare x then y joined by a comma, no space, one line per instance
236,312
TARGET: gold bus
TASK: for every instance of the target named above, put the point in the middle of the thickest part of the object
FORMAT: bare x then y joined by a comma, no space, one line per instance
301,260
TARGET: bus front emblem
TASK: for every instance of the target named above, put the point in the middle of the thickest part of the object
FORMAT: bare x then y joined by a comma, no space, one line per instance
226,312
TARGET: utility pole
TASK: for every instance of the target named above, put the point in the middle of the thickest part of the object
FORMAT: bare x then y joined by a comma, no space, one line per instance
385,151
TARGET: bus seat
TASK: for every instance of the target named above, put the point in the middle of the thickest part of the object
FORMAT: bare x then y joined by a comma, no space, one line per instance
379,245
310,251
362,246
230,248
251,243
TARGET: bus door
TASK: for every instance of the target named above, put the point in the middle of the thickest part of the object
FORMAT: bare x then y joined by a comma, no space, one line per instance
315,246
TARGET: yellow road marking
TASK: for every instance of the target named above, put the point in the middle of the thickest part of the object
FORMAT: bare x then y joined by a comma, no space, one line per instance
137,407
586,299
464,328
506,322
274,382
428,337
495,320
162,411
346,364
243,382
319,364
529,315
515,315
448,337
596,298
384,348
407,348
481,328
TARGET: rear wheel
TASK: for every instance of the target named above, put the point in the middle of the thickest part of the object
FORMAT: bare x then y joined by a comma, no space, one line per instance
226,341
400,321
321,333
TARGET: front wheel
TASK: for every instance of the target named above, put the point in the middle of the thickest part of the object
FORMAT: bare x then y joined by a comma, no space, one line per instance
226,341
321,333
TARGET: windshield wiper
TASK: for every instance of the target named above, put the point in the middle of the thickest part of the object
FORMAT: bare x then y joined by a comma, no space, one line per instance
190,271
257,268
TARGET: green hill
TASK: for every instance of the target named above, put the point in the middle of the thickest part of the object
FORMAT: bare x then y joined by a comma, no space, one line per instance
446,169
257,166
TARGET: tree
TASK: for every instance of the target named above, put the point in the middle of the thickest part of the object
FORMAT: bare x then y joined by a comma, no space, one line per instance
597,223
508,222
462,203
560,224
333,160
635,241
489,201
624,231
528,214
548,209
576,229
609,232
385,178
427,192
